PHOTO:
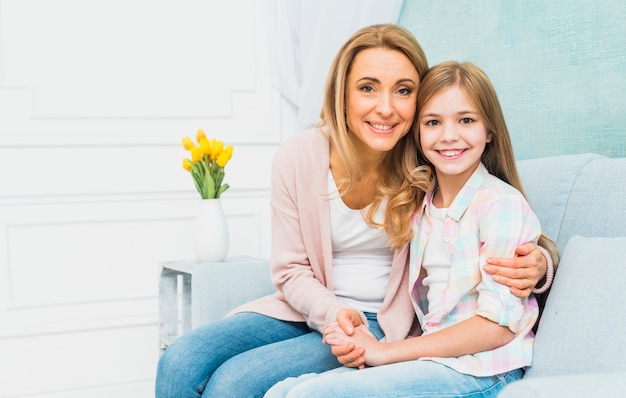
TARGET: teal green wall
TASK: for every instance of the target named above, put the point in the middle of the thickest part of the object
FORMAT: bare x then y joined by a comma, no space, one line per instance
559,67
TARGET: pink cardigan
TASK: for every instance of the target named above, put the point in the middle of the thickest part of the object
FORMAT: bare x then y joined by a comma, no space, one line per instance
301,263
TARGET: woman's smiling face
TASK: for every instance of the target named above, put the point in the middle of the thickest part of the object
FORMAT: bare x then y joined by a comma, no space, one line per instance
381,98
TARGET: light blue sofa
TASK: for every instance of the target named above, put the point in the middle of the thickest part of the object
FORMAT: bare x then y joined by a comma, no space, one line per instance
580,348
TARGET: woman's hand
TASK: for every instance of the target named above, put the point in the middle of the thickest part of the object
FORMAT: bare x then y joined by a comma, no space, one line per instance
348,319
521,273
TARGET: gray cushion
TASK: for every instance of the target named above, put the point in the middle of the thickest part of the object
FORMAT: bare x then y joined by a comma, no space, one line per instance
582,328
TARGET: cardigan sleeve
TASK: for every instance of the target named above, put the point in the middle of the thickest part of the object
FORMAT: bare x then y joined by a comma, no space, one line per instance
300,229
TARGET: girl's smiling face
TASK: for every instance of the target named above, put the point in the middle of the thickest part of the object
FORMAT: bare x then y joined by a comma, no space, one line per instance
381,99
452,134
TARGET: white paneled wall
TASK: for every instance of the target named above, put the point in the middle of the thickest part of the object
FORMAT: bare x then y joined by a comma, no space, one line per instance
95,97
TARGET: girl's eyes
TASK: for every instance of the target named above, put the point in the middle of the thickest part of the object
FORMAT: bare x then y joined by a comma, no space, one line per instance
433,122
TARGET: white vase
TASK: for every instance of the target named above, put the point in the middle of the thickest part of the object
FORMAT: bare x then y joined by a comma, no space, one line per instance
211,231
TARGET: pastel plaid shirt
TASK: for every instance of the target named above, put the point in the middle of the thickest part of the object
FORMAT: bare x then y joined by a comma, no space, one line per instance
488,218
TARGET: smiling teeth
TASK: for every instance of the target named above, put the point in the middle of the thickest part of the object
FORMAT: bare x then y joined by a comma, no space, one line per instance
381,126
451,152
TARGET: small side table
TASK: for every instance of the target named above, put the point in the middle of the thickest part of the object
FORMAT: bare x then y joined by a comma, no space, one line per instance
192,294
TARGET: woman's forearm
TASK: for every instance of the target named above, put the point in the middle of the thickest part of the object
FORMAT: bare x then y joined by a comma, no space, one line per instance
520,273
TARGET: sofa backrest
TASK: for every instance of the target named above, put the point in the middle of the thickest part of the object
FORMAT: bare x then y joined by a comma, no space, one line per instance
582,194
597,204
582,197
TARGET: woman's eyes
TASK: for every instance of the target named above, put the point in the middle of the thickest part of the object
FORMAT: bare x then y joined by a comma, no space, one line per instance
403,91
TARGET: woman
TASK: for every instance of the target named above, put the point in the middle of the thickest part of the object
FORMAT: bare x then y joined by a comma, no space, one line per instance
329,260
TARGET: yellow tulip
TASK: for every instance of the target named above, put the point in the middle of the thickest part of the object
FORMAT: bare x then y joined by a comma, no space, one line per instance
229,150
222,159
187,143
196,155
205,146
200,135
187,164
225,156
206,164
216,148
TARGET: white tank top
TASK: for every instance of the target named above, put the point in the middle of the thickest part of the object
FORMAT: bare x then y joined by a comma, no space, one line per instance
361,255
436,261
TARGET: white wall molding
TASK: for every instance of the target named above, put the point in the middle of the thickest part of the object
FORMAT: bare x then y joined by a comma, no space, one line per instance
135,72
95,98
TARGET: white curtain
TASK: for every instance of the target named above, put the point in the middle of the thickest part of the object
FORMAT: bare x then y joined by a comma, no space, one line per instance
304,38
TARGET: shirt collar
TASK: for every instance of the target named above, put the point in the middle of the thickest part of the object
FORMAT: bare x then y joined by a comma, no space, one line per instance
465,196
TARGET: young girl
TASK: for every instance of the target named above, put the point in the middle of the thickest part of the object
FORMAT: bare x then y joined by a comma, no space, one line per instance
475,335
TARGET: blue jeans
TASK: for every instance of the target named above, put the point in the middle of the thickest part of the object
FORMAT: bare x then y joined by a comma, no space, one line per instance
402,379
241,356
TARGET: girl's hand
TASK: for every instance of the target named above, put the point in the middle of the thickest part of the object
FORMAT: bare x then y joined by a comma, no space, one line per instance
343,347
347,353
366,348
521,273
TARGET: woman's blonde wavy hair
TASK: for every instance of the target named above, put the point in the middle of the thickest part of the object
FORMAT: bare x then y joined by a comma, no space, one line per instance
383,36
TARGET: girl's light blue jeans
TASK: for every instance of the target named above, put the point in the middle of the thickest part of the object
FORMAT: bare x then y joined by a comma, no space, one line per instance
403,379
242,356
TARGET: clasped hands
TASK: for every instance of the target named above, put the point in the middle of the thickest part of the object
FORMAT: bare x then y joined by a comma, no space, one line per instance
350,339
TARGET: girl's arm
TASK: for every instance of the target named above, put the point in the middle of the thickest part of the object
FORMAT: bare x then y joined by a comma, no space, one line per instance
473,335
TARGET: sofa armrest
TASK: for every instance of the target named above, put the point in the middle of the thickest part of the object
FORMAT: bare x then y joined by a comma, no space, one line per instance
220,287
587,385
192,294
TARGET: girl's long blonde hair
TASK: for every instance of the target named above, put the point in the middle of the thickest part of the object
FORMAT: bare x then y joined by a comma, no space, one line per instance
498,156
